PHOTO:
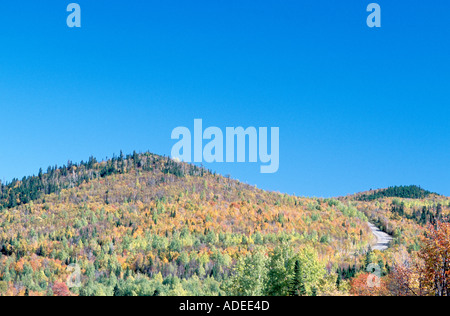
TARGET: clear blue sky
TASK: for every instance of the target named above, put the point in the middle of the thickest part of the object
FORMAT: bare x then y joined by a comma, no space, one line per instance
357,108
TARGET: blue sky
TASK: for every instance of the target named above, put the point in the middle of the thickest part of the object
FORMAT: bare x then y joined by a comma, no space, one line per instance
358,108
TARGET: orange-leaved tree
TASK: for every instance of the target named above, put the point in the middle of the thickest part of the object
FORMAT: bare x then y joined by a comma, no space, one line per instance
436,255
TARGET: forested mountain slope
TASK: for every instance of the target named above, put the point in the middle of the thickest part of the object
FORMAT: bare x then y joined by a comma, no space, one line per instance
419,222
407,192
144,225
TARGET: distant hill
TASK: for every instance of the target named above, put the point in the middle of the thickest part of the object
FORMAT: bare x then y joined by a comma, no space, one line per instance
405,212
56,179
406,192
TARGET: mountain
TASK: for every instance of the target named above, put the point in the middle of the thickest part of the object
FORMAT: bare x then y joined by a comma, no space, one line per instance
407,192
403,212
143,224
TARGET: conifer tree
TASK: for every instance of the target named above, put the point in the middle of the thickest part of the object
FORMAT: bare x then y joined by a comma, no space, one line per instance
338,281
298,284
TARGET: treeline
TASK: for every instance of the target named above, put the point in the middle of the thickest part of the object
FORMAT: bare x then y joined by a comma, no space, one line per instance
406,192
32,188
279,272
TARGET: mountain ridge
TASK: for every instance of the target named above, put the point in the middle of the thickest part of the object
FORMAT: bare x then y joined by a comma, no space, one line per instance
55,179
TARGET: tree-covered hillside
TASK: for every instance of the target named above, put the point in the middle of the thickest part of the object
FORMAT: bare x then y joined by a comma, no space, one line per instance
143,224
147,225
31,188
419,254
406,192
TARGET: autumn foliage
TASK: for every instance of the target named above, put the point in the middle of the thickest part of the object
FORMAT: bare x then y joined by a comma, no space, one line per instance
147,225
61,289
435,254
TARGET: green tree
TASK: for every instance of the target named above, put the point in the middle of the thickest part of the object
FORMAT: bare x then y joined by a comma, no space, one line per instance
313,270
250,275
280,271
338,281
298,284
370,257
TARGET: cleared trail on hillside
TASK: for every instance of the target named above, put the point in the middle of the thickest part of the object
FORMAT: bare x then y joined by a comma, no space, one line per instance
383,239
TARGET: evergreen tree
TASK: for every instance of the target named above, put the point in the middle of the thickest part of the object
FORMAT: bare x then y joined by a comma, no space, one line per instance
338,281
369,258
116,291
298,284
